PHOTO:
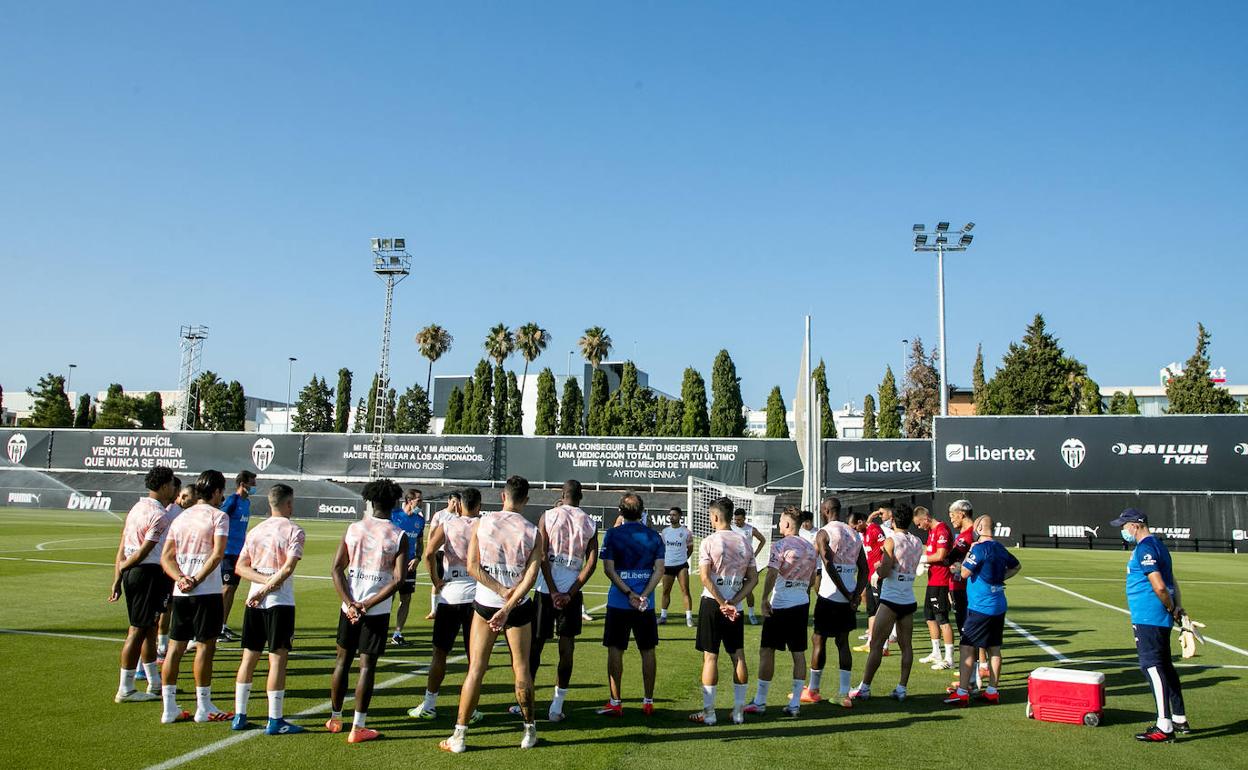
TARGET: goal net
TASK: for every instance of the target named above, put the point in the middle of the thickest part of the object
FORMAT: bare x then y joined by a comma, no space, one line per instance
760,510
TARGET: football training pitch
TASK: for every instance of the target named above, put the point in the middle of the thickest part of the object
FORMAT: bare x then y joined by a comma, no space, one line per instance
60,641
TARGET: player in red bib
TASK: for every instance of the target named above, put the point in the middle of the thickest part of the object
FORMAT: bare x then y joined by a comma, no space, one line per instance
873,536
936,600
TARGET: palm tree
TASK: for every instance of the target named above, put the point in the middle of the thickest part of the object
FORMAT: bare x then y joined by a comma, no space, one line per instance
595,345
434,341
531,340
499,344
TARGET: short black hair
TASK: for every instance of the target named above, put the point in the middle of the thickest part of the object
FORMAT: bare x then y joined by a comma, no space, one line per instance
832,502
244,477
411,494
572,492
384,494
516,488
177,481
676,510
723,505
806,516
739,512
456,496
208,484
158,477
631,506
903,516
857,516
471,498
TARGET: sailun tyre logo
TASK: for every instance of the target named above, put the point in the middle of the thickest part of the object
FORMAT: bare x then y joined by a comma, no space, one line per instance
262,453
1073,452
1170,454
1241,449
17,448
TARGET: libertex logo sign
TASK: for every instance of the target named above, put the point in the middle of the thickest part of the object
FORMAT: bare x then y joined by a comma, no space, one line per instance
972,453
848,464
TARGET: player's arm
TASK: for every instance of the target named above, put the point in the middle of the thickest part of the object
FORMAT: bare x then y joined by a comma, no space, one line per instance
937,556
1158,585
689,547
115,593
547,574
861,578
1014,567
704,572
169,560
479,574
527,580
769,583
751,580
762,541
338,572
436,539
656,574
396,578
824,547
213,562
587,567
887,562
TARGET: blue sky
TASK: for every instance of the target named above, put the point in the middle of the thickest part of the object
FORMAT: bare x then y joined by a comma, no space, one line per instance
691,176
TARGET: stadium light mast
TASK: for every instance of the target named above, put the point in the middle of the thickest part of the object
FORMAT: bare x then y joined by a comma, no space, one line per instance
192,354
69,378
290,370
940,244
391,263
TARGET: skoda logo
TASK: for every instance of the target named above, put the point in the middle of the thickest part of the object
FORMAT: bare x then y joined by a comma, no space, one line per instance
1073,452
17,447
262,453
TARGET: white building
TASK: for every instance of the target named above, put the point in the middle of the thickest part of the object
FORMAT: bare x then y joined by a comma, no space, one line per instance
847,419
1152,398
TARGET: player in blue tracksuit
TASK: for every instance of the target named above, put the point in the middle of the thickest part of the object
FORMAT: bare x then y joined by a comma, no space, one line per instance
238,508
409,518
1153,598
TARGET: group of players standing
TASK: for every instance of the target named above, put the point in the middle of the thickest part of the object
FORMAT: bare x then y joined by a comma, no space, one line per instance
483,567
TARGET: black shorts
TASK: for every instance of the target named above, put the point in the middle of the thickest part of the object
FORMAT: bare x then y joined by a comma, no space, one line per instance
274,627
197,617
675,570
551,622
900,610
1152,643
936,604
147,589
873,600
449,621
983,630
620,623
958,600
786,629
228,576
834,618
367,636
521,615
715,630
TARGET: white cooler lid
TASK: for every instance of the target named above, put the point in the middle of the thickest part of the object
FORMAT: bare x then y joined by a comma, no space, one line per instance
1071,675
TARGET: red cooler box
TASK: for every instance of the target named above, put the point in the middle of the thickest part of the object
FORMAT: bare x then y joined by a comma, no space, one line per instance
1066,695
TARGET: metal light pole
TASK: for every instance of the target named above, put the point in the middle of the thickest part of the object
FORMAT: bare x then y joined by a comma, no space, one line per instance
904,348
570,363
940,245
391,263
69,378
290,368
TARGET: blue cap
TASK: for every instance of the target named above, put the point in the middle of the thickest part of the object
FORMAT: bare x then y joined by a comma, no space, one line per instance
1130,516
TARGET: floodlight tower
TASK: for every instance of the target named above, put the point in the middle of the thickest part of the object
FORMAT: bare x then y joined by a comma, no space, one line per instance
940,245
392,264
192,355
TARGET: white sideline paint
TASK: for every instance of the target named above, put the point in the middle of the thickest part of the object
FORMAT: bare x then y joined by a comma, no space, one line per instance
1119,580
1059,657
1107,606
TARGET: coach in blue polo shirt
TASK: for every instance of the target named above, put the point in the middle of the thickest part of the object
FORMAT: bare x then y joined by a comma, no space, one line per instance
1153,598
632,558
238,508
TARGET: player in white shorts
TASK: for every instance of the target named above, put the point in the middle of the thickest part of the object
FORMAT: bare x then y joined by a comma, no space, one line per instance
786,610
895,576
270,555
845,567
742,527
368,569
453,501
504,556
677,548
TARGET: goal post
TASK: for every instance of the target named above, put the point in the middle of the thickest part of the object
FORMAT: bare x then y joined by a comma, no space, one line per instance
760,510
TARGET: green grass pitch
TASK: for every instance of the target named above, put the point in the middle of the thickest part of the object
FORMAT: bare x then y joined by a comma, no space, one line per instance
59,682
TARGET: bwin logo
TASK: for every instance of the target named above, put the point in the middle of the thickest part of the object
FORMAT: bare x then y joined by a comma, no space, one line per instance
17,447
1073,452
79,502
262,453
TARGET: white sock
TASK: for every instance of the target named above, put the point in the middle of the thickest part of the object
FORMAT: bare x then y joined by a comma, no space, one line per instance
1178,719
335,714
688,614
277,703
935,647
1165,725
991,690
901,688
127,681
795,699
242,693
738,694
760,696
359,720
816,677
153,676
845,681
169,696
662,614
708,696
431,700
864,687
556,703
203,698
162,641
647,700
949,653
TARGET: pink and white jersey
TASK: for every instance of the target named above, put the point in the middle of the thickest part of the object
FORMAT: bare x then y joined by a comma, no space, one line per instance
844,544
458,587
174,511
898,587
268,547
372,550
730,556
505,540
193,534
147,522
440,518
568,532
793,558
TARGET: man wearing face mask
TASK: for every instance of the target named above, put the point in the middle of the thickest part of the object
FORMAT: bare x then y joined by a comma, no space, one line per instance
1153,598
238,508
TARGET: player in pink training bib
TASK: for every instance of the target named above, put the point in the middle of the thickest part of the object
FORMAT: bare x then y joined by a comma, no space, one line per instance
845,576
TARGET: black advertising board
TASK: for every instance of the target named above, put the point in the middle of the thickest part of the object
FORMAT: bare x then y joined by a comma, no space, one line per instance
887,465
461,458
1176,453
186,452
25,447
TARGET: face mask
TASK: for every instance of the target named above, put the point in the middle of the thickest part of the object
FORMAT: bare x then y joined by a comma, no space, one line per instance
251,490
1127,536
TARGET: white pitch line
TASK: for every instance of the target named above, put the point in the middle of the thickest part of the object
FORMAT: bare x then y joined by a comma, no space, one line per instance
44,545
1107,606
1059,657
61,636
1119,580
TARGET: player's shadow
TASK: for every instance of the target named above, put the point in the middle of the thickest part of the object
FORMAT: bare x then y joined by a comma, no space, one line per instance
1222,731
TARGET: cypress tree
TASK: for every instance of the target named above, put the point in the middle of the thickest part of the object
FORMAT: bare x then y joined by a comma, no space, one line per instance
150,411
498,415
370,416
361,420
979,387
412,413
454,413
694,421
827,422
342,403
314,409
391,400
727,409
1192,392
571,409
868,417
51,408
599,422
1089,396
628,406
777,424
547,422
921,394
468,421
515,407
238,404
82,416
117,409
482,399
889,420
1132,406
